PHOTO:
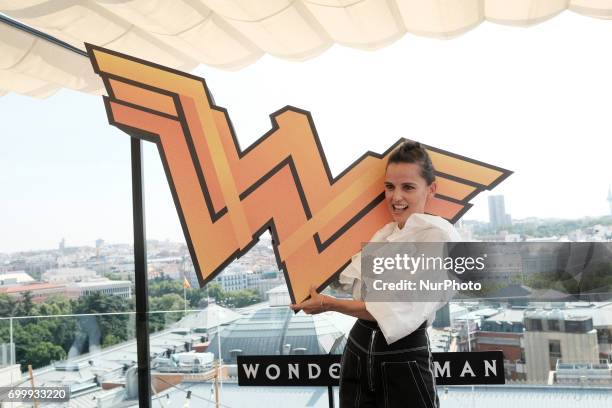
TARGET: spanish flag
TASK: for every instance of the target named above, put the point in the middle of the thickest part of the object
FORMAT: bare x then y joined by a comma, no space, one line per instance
186,284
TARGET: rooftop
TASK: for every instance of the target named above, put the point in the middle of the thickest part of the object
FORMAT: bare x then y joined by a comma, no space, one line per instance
508,315
213,316
277,330
30,287
16,277
102,282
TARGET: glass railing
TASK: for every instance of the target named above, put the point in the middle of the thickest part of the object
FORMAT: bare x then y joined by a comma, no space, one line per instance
94,355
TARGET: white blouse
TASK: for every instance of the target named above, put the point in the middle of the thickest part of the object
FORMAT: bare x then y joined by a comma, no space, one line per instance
398,319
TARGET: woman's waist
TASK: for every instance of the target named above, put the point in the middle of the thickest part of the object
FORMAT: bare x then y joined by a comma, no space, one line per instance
367,336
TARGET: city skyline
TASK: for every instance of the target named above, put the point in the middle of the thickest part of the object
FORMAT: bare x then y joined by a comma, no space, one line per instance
266,236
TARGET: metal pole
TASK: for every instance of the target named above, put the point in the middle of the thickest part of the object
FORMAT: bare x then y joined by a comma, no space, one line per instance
140,278
184,297
11,345
217,396
330,389
31,374
36,33
469,339
219,362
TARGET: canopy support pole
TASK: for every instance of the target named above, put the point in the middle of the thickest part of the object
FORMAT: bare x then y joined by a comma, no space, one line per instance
140,277
37,33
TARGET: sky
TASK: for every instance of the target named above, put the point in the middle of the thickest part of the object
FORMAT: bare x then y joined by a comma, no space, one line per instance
535,101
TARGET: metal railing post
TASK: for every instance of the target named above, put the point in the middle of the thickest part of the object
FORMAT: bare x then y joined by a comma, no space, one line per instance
140,278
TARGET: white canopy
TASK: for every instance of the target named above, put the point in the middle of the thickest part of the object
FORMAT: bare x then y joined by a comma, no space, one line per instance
233,33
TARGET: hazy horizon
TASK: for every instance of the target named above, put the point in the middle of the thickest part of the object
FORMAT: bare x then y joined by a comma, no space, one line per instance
92,244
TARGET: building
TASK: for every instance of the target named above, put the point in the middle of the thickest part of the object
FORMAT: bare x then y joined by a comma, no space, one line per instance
233,278
465,324
34,265
582,374
553,336
15,278
442,317
502,266
105,286
239,277
39,291
67,275
610,199
263,282
601,313
99,245
497,212
504,331
170,266
99,379
279,331
279,296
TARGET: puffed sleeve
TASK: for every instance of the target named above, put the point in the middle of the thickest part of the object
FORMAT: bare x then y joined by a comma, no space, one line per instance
399,319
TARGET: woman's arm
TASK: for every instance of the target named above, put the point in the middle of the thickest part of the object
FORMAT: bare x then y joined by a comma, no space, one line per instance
318,303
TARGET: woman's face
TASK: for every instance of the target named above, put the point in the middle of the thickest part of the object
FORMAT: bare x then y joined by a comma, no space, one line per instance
406,191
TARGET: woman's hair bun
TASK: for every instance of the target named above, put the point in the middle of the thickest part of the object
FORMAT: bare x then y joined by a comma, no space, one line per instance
414,152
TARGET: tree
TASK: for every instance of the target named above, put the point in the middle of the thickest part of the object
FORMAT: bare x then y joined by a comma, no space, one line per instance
8,307
215,291
195,296
242,298
25,305
169,301
42,353
110,340
55,305
164,285
96,328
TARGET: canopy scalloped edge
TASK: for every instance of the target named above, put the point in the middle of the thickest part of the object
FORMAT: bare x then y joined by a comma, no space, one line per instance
231,34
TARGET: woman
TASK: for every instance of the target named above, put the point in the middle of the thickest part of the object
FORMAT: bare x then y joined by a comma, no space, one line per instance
387,360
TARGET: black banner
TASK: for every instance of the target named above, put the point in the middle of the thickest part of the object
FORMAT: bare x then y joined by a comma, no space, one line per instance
486,367
480,367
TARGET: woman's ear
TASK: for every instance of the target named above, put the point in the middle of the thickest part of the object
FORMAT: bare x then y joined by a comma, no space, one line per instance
432,190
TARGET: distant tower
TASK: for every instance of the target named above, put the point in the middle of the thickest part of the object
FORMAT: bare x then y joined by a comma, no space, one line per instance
62,245
497,212
610,198
99,245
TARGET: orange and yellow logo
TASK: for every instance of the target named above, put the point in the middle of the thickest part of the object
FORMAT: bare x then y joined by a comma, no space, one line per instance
227,196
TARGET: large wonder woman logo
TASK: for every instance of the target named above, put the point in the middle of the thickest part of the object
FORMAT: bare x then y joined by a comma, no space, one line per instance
226,197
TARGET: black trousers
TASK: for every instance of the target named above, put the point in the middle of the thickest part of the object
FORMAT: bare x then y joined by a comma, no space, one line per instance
375,374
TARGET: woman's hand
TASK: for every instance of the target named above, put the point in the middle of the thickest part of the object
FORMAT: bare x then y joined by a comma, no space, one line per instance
316,304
